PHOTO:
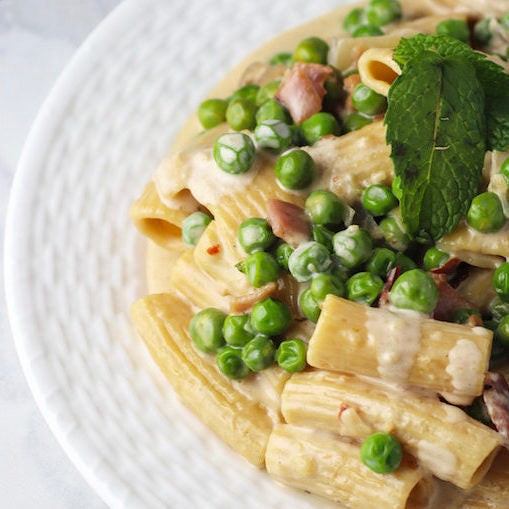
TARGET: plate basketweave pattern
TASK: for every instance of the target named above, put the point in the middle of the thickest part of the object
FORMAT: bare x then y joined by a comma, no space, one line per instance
74,263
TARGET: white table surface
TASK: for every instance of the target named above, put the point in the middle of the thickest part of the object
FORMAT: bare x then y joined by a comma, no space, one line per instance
37,38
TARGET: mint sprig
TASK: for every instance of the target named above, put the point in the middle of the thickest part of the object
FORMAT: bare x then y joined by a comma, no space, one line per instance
437,128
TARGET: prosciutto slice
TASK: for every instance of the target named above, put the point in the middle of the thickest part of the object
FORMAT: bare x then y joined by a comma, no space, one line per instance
496,397
289,222
302,90
392,275
449,301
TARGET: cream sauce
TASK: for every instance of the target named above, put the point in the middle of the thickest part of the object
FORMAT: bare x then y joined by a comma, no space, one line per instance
437,458
464,365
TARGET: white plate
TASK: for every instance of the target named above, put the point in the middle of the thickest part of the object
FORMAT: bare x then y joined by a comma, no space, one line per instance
74,263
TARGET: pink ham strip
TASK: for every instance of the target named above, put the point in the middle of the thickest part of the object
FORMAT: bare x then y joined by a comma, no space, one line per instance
289,222
302,90
449,301
497,402
392,275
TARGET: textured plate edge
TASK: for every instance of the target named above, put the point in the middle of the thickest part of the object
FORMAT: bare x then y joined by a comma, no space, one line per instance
14,241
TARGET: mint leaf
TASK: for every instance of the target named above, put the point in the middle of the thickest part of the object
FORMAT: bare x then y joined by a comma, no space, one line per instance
436,126
493,78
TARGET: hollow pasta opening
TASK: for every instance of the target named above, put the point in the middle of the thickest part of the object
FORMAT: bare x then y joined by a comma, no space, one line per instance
382,72
484,467
421,493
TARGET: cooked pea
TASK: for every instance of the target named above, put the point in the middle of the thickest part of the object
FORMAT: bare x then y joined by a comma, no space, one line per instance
382,260
307,260
396,188
273,134
502,332
322,235
353,246
364,287
378,200
405,263
255,234
291,355
354,19
270,317
241,114
334,90
482,31
456,28
212,112
312,49
381,453
415,290
318,125
504,170
325,284
193,227
486,213
230,363
355,121
259,353
367,101
273,110
325,207
462,315
261,268
234,152
498,309
383,12
206,330
268,91
478,411
248,92
283,253
237,330
339,271
295,169
367,30
394,234
434,258
309,305
501,281
281,59
498,353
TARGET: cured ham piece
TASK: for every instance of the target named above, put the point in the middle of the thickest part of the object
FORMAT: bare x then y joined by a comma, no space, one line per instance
449,301
496,398
392,275
302,90
246,302
289,222
448,267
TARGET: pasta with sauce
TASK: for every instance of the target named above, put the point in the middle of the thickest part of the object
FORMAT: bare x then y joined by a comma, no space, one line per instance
327,259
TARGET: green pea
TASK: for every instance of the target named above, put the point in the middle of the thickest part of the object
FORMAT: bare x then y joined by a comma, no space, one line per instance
309,259
339,271
206,330
478,411
504,170
381,453
261,268
404,262
248,92
230,363
355,121
325,284
237,330
212,112
434,258
367,101
415,290
318,125
498,309
501,281
381,262
394,234
312,49
334,90
353,246
241,114
490,324
295,169
462,315
309,306
255,234
367,30
259,353
281,59
270,317
482,31
322,235
396,188
193,227
283,253
502,332
364,287
273,110
274,135
383,12
325,207
268,91
486,213
378,200
354,19
234,152
456,28
291,355
498,351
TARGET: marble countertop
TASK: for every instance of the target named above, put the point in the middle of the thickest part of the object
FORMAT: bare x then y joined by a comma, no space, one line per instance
37,38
